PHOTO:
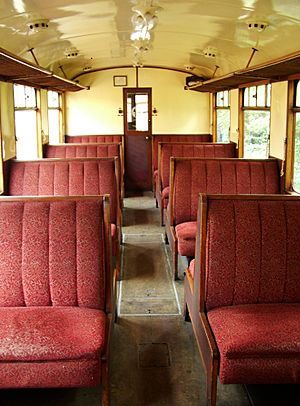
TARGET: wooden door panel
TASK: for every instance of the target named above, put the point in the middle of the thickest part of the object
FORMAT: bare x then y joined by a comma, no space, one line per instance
137,163
137,105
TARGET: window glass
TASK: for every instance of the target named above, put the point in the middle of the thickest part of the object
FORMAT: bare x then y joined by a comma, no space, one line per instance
261,96
53,99
54,117
223,125
25,122
256,105
256,134
24,96
26,146
223,116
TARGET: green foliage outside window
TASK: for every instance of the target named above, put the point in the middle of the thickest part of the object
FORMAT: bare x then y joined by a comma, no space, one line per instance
223,124
256,134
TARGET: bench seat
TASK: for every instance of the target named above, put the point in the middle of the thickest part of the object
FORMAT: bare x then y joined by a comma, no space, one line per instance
57,298
71,176
191,176
184,149
260,336
242,290
186,235
34,333
157,138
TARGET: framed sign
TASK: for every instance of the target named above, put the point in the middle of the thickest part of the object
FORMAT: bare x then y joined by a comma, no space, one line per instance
120,80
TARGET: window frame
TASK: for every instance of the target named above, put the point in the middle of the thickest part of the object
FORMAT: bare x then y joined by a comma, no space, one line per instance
291,133
36,109
266,107
216,108
60,114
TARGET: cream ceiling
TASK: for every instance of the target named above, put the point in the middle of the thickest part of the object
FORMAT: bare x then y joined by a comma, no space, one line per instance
186,30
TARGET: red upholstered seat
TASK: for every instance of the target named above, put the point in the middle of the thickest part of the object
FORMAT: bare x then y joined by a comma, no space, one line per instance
72,176
242,291
184,149
157,138
56,292
89,150
258,337
191,176
93,138
51,333
186,235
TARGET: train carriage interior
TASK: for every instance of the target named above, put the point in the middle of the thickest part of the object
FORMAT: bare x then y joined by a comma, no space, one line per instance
150,202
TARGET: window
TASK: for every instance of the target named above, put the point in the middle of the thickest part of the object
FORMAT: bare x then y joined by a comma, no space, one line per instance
256,107
296,168
54,117
223,116
25,122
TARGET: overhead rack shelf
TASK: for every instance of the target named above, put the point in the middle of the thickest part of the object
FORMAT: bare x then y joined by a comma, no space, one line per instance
18,70
275,70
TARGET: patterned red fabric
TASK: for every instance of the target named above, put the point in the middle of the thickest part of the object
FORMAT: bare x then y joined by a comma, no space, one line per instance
65,177
81,150
186,236
258,343
233,176
52,254
253,252
156,138
51,333
51,374
209,150
93,138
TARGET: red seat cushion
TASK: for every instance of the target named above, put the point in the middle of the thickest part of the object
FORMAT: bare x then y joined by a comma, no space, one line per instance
186,235
192,268
51,333
258,343
165,196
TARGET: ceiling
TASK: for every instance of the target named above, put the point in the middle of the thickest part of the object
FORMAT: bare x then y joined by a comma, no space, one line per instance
186,33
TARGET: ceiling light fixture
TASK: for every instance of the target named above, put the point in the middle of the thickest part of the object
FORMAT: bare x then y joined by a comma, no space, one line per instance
210,52
38,25
144,20
71,52
258,26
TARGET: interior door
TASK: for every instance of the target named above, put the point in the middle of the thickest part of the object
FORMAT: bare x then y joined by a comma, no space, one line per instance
137,108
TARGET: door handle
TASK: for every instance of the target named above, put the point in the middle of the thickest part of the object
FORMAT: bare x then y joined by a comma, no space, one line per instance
147,138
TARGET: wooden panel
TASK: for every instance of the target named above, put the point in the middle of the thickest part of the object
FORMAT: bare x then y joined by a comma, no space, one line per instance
137,163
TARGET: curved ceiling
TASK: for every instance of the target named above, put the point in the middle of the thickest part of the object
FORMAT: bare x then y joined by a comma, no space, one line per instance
205,38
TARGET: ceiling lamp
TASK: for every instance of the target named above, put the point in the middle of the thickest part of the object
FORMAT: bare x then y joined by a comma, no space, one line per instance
210,52
71,52
144,20
140,35
258,26
38,25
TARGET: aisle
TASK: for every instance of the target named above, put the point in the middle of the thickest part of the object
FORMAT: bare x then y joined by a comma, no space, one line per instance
155,359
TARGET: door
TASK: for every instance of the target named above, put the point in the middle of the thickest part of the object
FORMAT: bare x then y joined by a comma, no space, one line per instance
137,130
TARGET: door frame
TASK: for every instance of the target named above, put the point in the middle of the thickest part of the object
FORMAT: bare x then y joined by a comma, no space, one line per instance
147,135
137,90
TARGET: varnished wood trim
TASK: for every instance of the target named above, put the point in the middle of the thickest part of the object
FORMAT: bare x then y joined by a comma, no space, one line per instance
241,125
130,67
290,138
